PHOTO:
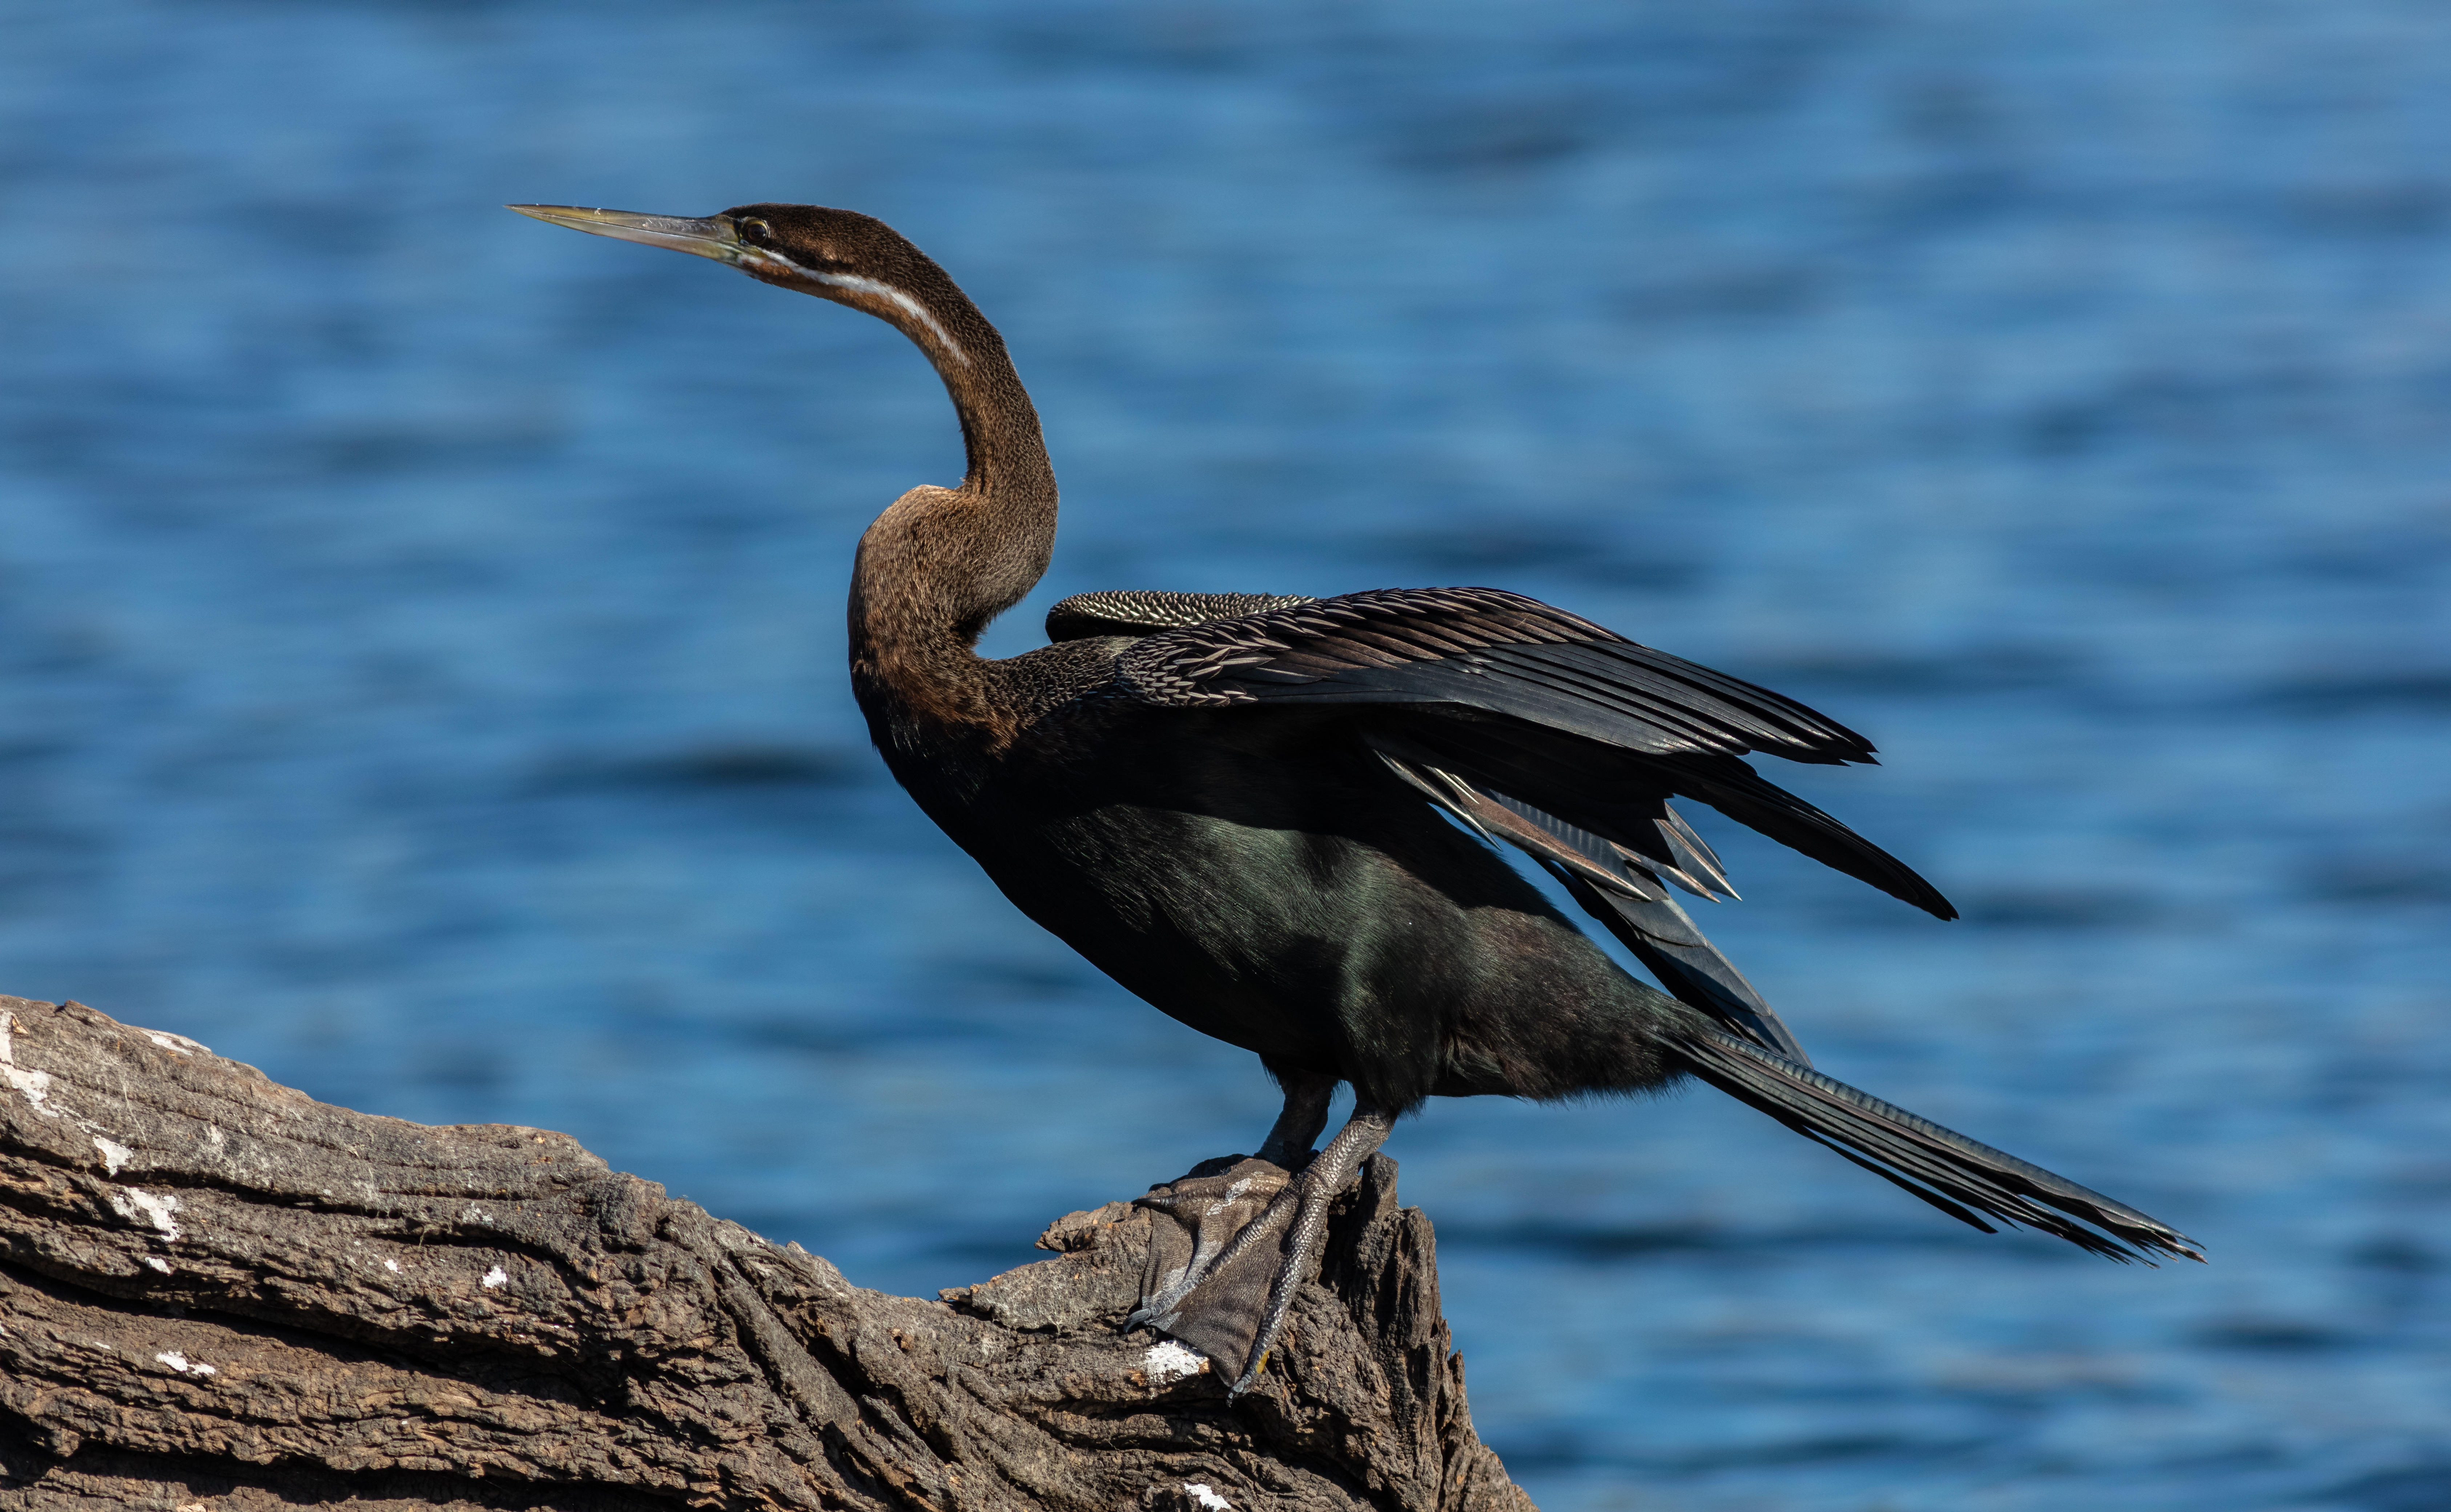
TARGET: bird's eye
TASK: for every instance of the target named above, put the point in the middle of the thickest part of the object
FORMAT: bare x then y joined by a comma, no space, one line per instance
754,232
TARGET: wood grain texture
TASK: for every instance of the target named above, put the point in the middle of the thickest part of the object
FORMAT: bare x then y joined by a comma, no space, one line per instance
218,1294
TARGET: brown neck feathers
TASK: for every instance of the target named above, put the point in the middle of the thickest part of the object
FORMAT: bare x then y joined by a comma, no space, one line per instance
941,562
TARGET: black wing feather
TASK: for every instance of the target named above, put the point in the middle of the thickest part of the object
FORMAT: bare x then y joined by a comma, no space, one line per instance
1663,939
1589,726
1626,898
1481,647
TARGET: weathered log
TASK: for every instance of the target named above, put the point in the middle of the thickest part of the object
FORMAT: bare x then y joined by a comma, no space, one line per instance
218,1294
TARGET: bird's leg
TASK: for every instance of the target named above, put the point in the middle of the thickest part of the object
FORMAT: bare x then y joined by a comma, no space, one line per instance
1317,1188
1306,1098
1307,1094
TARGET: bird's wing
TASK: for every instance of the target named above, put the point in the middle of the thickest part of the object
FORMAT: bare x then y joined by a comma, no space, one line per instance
1484,648
1137,612
1622,891
1537,704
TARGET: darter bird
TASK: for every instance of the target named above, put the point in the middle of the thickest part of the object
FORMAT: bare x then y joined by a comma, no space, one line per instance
1230,803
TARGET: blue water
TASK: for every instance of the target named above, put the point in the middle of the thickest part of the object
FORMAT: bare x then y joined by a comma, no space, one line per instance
419,636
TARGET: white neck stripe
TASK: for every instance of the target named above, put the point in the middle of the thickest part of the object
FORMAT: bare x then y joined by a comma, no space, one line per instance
911,307
869,286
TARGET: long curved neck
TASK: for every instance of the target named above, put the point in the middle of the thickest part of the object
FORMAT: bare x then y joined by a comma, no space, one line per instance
1005,456
941,562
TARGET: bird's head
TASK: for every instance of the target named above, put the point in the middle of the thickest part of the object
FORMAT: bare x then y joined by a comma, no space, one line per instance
839,255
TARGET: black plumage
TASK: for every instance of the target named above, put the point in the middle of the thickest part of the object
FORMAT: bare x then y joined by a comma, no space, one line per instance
1230,803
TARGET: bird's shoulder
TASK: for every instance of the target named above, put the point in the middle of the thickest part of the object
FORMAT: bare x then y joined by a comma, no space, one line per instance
1078,673
1038,683
1136,612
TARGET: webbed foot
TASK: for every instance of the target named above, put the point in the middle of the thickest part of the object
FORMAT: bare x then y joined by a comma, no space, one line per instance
1228,1210
1254,1238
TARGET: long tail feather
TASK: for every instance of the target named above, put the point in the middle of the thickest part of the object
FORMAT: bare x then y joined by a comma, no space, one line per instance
1942,1167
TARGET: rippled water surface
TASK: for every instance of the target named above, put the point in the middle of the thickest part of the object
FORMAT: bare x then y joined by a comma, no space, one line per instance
420,638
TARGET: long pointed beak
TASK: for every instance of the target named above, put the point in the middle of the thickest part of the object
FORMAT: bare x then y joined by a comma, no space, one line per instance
711,237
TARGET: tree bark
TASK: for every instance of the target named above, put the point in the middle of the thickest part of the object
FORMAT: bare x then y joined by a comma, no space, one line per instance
218,1295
